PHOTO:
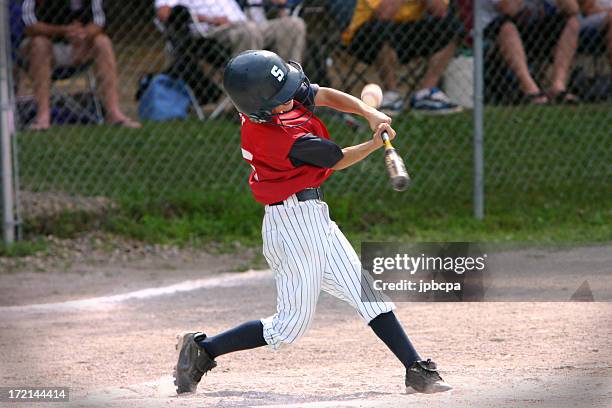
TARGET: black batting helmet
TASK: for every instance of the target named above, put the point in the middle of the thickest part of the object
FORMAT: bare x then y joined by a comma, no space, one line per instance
257,81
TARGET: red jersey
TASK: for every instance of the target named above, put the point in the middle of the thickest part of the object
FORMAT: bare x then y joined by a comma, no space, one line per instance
266,148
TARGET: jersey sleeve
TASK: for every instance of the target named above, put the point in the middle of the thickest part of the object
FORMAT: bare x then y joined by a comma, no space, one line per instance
313,150
28,12
97,13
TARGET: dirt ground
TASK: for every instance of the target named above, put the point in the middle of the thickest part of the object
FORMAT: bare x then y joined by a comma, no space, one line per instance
108,333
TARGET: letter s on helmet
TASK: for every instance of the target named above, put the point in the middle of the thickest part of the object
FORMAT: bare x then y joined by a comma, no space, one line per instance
257,81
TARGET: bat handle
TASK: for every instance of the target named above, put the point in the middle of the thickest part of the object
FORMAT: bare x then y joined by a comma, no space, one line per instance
386,140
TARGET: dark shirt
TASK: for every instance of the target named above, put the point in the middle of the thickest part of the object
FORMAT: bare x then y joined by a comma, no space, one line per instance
63,12
311,149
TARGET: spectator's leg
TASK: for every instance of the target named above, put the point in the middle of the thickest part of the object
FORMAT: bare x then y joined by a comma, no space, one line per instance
287,37
437,64
564,54
106,71
40,50
608,28
239,36
513,52
387,63
368,42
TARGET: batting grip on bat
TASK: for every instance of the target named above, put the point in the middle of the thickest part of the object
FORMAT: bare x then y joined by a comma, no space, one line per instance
371,95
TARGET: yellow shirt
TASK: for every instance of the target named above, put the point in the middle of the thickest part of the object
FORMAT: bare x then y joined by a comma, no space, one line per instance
410,10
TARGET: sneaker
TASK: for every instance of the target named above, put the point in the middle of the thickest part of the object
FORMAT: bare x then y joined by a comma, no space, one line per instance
423,376
392,103
434,102
193,362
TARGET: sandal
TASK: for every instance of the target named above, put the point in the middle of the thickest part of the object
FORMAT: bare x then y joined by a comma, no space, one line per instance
38,127
564,98
533,99
128,123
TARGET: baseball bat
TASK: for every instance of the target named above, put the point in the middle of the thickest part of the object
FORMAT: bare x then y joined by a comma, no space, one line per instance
400,180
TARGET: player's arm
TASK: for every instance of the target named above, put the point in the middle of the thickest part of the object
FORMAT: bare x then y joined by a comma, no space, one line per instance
332,98
355,154
315,151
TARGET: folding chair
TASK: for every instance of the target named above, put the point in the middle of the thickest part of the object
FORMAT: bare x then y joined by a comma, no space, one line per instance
173,65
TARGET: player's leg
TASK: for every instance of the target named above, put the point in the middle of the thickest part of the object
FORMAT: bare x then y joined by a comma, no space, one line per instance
297,257
344,275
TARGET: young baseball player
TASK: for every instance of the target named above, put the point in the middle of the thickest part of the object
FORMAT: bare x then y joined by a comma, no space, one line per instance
291,154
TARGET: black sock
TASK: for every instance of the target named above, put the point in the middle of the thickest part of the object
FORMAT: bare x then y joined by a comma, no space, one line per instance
246,336
390,331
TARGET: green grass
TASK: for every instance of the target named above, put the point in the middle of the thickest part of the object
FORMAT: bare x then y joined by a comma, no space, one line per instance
23,248
548,178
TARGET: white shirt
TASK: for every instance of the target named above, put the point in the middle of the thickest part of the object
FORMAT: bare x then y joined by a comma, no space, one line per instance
208,8
490,12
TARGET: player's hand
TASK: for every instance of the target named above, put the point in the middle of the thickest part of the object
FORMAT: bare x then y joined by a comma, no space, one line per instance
376,117
377,138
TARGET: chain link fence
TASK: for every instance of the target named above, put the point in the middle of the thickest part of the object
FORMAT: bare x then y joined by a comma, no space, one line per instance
86,72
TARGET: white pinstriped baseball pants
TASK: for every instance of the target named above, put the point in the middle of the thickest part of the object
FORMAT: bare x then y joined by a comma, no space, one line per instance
308,252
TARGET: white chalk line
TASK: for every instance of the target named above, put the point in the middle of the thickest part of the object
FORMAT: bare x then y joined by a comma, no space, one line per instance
222,281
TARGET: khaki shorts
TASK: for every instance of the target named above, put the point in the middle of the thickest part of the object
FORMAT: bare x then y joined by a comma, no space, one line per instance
63,54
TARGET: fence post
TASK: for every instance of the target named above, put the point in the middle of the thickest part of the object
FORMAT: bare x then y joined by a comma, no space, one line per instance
478,112
8,218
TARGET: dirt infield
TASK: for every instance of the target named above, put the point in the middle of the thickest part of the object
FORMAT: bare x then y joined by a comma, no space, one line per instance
108,333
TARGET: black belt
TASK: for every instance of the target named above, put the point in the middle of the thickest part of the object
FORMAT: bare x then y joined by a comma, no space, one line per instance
305,195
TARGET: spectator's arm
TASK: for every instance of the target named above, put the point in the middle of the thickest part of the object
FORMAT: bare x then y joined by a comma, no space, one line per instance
34,27
387,9
568,7
590,7
437,8
46,30
510,7
92,30
163,13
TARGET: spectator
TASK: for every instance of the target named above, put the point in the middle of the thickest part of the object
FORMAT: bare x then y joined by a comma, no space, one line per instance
540,25
389,32
225,22
334,16
67,33
596,24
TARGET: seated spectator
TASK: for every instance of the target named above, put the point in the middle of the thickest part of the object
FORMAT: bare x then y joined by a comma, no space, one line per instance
63,34
389,32
541,26
596,25
225,22
332,15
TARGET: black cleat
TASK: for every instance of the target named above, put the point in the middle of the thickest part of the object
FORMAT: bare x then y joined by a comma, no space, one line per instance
193,362
423,376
